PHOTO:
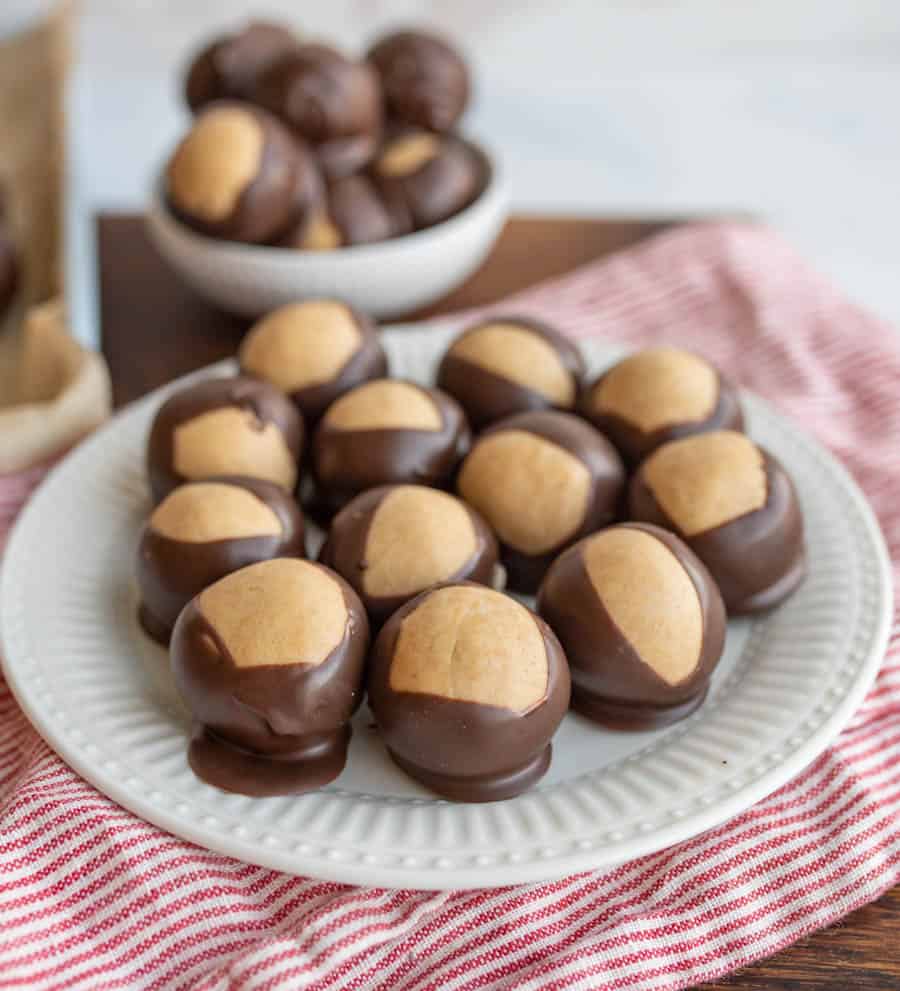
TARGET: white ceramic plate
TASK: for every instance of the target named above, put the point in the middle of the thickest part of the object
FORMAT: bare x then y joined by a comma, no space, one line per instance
99,693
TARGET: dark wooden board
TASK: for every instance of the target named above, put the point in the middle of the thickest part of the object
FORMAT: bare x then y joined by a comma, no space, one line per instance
153,329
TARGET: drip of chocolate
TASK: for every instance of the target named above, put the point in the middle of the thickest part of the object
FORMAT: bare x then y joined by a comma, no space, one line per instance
270,662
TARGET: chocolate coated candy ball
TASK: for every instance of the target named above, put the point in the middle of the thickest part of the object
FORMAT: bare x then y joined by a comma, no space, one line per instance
332,102
236,175
270,662
395,541
541,480
735,507
641,621
314,351
351,212
203,531
658,395
229,67
224,426
507,365
468,687
425,81
387,431
426,178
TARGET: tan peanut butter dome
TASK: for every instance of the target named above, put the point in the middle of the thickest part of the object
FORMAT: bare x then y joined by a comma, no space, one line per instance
417,537
407,154
517,353
384,404
533,492
216,162
283,611
650,597
321,234
301,344
705,481
232,441
201,512
471,645
658,388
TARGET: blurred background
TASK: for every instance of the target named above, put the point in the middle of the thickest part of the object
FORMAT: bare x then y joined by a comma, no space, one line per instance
778,109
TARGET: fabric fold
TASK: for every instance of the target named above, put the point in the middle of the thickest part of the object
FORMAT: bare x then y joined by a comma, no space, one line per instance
52,391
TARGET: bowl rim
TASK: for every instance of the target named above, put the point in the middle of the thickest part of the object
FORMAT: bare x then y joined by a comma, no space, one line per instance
494,190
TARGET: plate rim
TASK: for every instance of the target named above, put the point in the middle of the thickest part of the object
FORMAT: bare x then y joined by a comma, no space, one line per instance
452,876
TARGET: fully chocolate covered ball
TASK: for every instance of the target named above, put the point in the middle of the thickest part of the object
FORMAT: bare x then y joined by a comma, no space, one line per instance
203,531
657,395
425,80
229,68
468,687
314,351
352,211
506,365
393,542
270,662
331,101
383,432
238,175
425,178
735,507
541,480
641,621
224,426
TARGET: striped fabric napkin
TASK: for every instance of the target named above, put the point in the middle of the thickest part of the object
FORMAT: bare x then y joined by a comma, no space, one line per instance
91,896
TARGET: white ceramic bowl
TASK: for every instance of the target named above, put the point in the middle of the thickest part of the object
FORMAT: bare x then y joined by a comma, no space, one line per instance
385,279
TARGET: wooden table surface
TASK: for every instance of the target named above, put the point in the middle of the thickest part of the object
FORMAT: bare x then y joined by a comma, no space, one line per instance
154,329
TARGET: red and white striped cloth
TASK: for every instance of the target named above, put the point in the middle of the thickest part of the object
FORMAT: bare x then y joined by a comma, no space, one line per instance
91,896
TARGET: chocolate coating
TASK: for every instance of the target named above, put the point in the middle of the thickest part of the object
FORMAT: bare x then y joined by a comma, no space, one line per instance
758,559
607,481
367,362
466,751
611,682
345,551
346,462
353,212
269,201
273,729
441,187
229,67
635,444
488,396
333,102
425,80
9,271
309,195
170,572
265,403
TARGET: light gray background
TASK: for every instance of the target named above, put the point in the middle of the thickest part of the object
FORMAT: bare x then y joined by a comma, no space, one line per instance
781,108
